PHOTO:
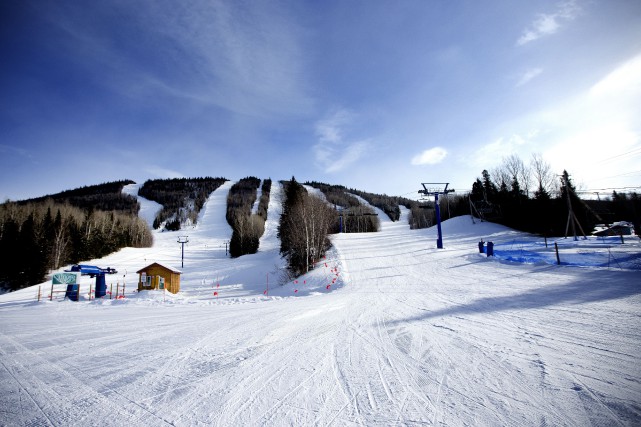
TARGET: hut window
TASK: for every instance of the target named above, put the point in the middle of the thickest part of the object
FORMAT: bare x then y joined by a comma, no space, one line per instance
161,282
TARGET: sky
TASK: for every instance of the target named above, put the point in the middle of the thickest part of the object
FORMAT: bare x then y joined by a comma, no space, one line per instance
374,95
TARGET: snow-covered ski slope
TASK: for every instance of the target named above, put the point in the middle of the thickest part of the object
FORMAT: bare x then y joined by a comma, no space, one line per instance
387,331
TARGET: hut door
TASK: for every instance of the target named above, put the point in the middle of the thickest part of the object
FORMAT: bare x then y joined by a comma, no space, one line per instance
161,282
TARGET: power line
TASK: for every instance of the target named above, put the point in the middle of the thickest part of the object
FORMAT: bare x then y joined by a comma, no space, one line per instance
624,174
592,190
633,153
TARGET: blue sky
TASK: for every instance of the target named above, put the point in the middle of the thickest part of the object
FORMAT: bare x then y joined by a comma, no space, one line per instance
374,95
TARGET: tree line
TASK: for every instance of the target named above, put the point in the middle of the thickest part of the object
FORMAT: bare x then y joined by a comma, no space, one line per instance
359,218
353,216
304,227
181,199
532,198
421,213
105,197
37,237
247,226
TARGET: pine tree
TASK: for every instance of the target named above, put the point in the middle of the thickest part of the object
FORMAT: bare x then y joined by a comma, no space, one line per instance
478,192
490,188
10,260
32,260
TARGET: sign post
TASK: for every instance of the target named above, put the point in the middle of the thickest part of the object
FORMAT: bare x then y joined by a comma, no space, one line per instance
71,280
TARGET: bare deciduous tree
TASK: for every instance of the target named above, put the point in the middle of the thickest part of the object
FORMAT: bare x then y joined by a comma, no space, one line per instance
544,177
304,227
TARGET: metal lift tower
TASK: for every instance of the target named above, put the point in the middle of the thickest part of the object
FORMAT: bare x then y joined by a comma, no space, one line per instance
434,189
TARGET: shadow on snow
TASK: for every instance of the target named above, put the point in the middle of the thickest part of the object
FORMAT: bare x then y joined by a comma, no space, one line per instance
589,287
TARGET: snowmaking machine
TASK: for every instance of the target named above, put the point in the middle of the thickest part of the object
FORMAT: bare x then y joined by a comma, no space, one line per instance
91,271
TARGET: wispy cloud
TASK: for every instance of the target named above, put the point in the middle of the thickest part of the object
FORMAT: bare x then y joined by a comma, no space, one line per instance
246,60
334,151
163,173
547,24
528,75
491,153
16,151
431,156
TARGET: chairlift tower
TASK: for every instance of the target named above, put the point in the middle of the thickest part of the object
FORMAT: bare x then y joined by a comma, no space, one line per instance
434,189
182,240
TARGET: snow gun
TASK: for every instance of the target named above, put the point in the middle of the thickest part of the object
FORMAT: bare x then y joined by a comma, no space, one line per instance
97,272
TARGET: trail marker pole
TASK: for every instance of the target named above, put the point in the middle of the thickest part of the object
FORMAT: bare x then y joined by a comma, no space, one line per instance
435,190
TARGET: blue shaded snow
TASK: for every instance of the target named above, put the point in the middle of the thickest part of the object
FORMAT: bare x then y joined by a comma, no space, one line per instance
591,252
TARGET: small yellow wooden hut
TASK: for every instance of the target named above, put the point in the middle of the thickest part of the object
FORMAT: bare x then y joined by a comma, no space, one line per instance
158,276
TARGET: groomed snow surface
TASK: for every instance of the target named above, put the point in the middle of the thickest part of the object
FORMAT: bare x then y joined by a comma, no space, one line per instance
387,331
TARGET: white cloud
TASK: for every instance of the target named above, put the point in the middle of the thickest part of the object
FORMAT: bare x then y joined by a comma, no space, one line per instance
625,80
595,135
334,151
492,153
431,156
346,156
529,75
597,153
329,130
547,24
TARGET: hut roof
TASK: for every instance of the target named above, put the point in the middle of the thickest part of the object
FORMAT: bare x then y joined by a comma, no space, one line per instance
174,270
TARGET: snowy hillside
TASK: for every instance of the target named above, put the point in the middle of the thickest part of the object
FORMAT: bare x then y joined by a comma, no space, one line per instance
388,330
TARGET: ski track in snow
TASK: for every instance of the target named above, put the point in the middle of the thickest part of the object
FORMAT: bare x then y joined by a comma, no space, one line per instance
404,335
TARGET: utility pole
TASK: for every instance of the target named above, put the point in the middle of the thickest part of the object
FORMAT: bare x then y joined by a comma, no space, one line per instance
571,216
434,189
182,240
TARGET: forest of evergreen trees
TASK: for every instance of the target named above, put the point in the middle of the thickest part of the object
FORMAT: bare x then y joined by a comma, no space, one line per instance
103,197
247,227
181,198
47,233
